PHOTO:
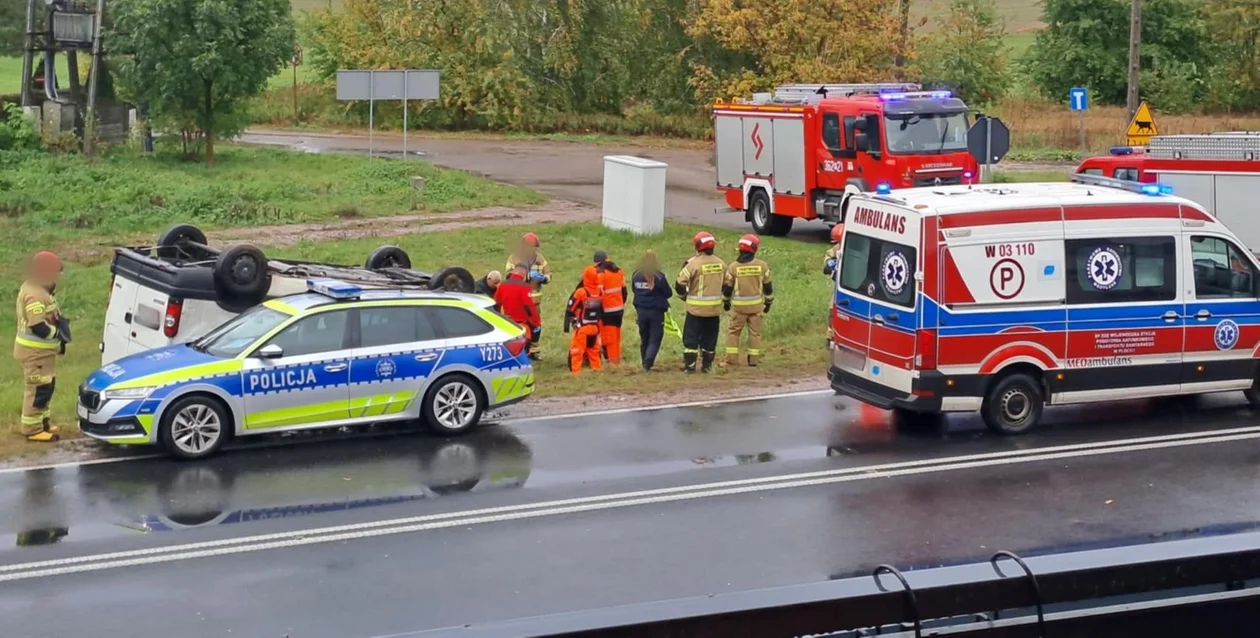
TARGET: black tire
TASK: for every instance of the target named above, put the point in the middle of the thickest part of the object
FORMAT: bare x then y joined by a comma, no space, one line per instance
1013,405
453,279
172,431
387,257
181,233
763,221
241,274
445,394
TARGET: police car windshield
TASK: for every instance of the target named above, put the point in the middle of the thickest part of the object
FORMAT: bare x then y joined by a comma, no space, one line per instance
926,132
233,337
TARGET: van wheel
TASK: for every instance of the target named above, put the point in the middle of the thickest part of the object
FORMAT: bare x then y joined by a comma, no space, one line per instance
180,234
388,257
454,405
240,273
763,221
1013,405
452,279
194,427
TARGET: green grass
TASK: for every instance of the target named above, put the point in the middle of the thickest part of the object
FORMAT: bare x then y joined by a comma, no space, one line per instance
11,73
1009,177
794,332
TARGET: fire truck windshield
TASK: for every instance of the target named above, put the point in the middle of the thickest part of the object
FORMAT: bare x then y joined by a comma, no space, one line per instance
926,132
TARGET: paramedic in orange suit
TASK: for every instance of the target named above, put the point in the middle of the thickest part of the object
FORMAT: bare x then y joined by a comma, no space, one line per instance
583,317
612,283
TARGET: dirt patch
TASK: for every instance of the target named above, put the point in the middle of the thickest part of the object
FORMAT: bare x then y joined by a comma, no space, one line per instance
556,211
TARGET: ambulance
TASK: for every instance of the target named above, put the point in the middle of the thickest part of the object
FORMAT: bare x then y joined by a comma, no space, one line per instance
1005,299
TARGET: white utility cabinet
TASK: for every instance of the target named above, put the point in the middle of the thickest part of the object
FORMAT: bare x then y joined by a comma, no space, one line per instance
634,194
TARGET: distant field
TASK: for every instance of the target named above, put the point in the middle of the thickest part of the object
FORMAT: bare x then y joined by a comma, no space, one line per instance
1022,16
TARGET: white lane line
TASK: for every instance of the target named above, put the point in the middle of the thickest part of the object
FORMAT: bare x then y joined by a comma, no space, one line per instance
508,421
591,503
308,538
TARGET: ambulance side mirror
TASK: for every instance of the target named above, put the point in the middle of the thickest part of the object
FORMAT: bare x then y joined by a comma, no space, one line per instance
270,351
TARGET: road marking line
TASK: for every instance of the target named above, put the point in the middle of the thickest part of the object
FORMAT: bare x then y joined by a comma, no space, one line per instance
577,505
507,421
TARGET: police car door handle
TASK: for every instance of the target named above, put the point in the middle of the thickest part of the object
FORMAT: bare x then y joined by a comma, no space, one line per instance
428,356
336,367
1202,315
1170,316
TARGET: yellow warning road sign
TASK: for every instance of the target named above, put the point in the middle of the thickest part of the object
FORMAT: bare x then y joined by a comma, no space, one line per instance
1142,126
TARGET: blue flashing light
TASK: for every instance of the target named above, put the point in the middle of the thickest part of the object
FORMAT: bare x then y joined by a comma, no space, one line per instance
892,96
942,95
1150,189
334,288
931,95
1165,189
1122,150
883,189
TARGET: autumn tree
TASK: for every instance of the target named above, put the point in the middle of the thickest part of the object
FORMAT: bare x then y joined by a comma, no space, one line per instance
967,53
1234,80
797,41
197,60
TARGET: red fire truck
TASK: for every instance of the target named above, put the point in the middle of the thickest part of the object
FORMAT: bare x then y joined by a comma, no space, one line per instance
800,151
1219,171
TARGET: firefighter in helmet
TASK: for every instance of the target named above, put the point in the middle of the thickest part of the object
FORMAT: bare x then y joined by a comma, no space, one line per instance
747,294
831,261
539,270
699,285
42,334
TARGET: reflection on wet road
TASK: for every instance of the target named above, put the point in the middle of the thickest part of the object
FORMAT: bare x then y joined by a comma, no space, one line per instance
521,518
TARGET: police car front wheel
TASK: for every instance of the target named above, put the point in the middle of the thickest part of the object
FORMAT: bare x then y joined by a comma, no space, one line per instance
194,427
453,405
1013,405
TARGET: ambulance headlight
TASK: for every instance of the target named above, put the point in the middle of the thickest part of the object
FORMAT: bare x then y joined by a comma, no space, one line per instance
129,394
883,189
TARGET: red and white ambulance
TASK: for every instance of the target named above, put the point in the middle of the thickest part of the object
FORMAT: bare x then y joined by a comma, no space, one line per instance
1004,299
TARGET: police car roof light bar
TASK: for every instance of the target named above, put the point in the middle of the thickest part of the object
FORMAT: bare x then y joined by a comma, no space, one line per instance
1132,187
334,288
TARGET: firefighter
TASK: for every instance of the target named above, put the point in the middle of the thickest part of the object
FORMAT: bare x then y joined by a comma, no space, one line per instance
699,285
512,298
539,270
42,334
831,261
584,313
747,293
612,284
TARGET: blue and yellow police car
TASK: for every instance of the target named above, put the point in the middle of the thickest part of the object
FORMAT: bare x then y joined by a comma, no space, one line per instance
336,355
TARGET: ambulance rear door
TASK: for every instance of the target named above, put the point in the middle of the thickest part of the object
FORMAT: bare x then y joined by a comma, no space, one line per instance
878,289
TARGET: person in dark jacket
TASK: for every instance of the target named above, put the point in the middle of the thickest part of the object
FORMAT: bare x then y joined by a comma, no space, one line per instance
651,302
489,284
513,299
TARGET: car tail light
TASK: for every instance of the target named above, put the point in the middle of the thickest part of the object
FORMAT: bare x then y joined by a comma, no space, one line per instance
925,359
170,323
517,346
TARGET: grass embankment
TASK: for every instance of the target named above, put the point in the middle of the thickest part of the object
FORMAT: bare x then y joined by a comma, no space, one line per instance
83,209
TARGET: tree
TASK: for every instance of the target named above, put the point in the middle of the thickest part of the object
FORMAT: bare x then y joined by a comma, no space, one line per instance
967,52
1234,81
197,60
12,26
1085,43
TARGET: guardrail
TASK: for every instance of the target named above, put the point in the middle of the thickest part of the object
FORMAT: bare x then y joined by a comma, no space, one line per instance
1197,587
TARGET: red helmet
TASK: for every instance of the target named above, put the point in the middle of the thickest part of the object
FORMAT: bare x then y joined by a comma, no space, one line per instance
531,239
837,232
703,241
46,261
749,243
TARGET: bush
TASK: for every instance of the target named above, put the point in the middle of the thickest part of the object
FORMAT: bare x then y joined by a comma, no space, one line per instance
17,130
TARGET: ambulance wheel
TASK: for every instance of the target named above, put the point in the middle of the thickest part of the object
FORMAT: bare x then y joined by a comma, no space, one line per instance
454,404
1013,405
194,427
181,233
452,279
240,274
388,257
763,221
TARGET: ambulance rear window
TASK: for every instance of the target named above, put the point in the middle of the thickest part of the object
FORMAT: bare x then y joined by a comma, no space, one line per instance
878,269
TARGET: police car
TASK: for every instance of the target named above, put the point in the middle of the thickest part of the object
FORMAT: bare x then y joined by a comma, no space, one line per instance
333,356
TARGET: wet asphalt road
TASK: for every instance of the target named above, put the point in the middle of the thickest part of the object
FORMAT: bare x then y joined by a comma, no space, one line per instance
393,532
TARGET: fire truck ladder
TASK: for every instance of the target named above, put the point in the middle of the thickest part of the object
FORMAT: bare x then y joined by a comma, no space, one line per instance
805,93
1241,145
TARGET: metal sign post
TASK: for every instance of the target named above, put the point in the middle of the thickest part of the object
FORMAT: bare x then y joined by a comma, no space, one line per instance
1078,100
389,86
988,149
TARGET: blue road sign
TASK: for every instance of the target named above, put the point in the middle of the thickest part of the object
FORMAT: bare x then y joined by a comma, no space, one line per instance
1078,99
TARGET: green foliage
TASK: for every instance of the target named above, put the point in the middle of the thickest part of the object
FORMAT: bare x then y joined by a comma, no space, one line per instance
17,130
967,52
1086,43
195,61
12,24
1233,83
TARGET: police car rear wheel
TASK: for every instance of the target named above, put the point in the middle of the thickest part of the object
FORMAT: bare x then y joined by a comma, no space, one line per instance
1013,405
194,428
453,405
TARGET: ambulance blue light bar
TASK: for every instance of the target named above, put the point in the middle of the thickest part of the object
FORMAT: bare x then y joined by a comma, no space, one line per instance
883,189
1132,187
334,288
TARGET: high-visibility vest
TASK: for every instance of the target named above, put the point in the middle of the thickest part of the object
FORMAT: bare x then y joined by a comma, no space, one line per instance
614,286
747,281
702,276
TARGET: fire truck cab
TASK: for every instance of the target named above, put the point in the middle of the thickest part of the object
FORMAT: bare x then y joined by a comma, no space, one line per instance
799,152
1218,171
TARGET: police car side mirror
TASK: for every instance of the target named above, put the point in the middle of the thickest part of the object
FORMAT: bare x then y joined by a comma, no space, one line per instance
270,351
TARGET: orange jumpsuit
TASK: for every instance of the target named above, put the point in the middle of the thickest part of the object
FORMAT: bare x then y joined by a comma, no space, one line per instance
613,285
584,314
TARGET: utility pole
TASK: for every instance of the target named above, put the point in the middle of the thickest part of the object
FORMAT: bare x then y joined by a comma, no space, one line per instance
904,32
1135,60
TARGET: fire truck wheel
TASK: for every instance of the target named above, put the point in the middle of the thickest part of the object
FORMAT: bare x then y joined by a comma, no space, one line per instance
241,274
1013,404
763,221
388,257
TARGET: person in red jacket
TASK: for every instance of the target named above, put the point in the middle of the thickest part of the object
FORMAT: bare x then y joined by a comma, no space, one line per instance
514,300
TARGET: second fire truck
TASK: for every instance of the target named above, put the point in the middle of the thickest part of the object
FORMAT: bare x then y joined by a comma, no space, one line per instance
799,152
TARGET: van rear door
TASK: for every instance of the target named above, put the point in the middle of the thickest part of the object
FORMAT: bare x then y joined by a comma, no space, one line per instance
118,316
